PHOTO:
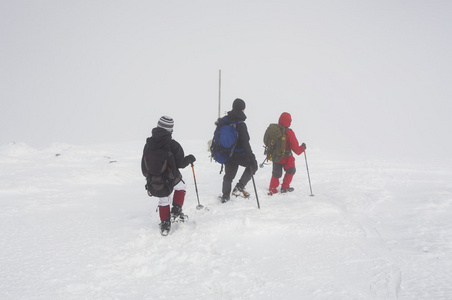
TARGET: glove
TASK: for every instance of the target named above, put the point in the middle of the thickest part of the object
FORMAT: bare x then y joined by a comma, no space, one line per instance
303,145
189,159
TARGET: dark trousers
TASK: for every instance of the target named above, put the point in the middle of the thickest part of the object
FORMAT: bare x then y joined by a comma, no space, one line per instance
230,171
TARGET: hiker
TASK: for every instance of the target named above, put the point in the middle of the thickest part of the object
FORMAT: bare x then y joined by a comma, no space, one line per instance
160,164
288,161
241,156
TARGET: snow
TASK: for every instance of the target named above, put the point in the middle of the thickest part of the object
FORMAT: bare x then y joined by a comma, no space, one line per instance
76,223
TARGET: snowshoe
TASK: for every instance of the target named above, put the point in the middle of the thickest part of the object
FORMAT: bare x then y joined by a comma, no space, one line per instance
240,192
165,227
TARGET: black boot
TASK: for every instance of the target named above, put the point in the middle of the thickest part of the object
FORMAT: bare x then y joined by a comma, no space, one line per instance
288,190
165,227
177,214
224,198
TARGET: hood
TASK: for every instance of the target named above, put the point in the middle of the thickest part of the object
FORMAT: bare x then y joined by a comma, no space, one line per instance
236,115
160,137
285,119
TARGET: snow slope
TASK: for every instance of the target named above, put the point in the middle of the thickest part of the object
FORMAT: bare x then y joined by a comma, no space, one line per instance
76,223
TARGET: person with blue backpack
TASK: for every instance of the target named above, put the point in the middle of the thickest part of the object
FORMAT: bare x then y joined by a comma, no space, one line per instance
231,147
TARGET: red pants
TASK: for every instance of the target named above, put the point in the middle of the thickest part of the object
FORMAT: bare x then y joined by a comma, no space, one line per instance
288,164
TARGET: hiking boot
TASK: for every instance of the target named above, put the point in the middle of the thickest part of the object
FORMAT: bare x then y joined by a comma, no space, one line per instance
288,190
165,227
177,214
224,198
272,191
240,191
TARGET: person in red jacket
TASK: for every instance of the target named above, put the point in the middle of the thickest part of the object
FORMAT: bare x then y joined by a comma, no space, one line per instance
287,163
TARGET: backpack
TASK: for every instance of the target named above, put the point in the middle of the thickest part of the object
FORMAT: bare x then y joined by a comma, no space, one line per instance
275,143
160,177
224,141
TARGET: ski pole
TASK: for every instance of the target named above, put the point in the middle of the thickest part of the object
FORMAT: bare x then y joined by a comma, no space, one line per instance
255,191
199,206
307,169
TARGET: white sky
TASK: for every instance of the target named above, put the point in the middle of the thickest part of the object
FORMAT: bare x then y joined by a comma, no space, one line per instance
357,76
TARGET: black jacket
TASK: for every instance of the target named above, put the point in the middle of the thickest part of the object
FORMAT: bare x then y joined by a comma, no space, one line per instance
243,142
161,138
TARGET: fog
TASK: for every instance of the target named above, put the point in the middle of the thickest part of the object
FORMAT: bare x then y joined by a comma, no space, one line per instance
359,77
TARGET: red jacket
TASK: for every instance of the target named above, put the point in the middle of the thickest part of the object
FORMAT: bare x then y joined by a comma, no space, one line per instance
291,140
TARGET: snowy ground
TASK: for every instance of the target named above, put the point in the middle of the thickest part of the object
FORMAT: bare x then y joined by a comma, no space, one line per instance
76,223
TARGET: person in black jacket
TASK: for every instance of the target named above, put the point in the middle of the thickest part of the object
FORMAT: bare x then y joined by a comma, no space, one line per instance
162,139
242,156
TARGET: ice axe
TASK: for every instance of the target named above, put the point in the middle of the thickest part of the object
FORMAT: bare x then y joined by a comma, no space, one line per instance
199,206
263,163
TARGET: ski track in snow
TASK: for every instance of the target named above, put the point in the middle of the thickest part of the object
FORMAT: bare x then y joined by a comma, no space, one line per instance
76,223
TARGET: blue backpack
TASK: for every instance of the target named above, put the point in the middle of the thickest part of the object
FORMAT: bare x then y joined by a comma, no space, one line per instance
224,140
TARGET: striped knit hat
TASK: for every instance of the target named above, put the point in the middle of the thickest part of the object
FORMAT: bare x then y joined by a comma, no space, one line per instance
166,122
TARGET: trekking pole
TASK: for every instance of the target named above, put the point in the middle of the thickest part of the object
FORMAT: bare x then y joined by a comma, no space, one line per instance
199,206
307,169
255,191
